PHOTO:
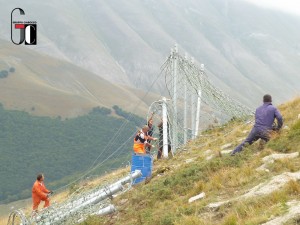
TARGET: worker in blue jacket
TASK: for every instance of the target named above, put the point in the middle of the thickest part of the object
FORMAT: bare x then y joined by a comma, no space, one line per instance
265,116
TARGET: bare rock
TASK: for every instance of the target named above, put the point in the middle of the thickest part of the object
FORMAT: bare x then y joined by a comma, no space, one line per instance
271,158
286,127
208,152
216,205
209,157
226,151
226,146
263,168
293,212
189,160
274,184
197,197
123,201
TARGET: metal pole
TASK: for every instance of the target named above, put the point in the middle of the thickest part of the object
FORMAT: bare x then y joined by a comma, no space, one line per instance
62,213
165,128
107,210
103,211
192,115
198,105
60,216
174,100
192,109
198,113
185,107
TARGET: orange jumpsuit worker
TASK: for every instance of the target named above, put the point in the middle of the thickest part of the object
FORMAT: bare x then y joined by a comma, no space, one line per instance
140,141
40,192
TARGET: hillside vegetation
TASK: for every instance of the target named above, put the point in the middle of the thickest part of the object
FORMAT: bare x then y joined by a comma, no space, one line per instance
201,166
62,149
164,200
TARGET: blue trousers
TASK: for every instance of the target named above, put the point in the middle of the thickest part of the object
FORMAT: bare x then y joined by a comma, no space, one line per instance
254,135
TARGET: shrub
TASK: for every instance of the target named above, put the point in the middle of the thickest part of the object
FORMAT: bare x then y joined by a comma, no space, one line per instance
12,69
137,120
3,74
100,110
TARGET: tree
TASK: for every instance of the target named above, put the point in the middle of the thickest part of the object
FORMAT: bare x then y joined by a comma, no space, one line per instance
12,69
3,73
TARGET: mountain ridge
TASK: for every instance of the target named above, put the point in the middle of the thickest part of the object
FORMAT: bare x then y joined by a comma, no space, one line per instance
247,51
57,88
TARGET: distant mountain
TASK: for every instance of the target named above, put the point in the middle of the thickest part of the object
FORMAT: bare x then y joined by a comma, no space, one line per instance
247,51
44,85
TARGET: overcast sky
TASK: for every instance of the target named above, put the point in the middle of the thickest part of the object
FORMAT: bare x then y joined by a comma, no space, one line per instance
291,6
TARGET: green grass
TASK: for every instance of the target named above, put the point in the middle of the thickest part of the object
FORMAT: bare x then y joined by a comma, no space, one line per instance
164,200
288,141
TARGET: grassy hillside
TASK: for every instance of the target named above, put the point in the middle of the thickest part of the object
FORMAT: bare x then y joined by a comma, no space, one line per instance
202,167
165,199
43,85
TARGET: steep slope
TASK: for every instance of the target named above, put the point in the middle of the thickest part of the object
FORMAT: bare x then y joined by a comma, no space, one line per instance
237,190
47,86
249,194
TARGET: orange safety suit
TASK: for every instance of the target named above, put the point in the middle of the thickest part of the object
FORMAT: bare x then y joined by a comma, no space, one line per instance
39,193
139,142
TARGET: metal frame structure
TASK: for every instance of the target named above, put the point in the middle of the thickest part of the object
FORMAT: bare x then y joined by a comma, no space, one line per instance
193,98
77,208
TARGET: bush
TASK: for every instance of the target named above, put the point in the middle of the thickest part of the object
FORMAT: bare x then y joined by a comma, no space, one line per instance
137,120
167,219
101,110
286,143
12,69
3,74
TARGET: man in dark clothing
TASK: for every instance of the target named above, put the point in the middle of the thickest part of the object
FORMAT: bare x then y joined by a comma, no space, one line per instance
150,132
264,119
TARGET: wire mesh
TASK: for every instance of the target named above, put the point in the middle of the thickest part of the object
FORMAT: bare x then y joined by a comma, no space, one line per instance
186,84
189,87
78,206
